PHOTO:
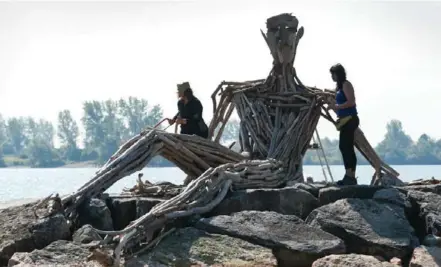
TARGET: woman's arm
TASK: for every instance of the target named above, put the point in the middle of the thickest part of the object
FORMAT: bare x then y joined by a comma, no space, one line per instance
348,90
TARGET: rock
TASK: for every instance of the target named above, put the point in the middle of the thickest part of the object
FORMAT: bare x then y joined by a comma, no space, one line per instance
331,194
20,231
396,261
388,180
351,260
433,188
193,247
144,205
367,227
85,235
293,242
58,253
311,188
123,211
127,209
96,213
392,196
288,201
50,229
429,207
426,257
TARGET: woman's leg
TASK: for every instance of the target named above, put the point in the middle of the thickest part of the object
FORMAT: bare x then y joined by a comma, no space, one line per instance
346,145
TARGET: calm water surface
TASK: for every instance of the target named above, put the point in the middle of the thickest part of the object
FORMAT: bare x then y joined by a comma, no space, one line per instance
37,183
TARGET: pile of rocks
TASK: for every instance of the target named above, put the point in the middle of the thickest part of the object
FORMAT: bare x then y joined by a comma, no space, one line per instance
300,225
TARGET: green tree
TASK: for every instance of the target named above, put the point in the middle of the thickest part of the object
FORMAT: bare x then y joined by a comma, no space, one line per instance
16,134
93,124
3,140
137,115
104,128
424,151
40,144
396,144
68,134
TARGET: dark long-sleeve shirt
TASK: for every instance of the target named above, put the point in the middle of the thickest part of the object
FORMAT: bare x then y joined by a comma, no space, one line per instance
192,112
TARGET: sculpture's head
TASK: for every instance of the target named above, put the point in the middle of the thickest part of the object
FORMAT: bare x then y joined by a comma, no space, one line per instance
283,37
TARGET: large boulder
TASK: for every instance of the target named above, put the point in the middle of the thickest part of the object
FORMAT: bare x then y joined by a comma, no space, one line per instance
392,196
293,242
331,194
127,209
59,253
426,257
428,206
193,247
96,213
288,201
367,227
21,231
312,188
351,260
430,188
85,235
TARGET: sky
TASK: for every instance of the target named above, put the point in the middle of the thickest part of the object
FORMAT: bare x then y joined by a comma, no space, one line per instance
55,55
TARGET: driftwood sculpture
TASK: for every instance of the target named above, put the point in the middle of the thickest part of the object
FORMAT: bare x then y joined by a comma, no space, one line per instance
278,116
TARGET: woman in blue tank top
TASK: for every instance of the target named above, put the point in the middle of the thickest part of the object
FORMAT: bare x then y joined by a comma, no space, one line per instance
347,114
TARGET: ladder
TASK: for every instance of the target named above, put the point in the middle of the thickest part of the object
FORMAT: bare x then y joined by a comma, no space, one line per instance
318,146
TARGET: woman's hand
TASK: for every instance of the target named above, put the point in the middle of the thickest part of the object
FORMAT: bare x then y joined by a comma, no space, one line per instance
181,121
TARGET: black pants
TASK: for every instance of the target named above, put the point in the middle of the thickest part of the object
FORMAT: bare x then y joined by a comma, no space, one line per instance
346,144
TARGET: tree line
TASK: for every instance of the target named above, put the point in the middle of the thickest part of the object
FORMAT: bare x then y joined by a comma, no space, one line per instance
396,148
26,141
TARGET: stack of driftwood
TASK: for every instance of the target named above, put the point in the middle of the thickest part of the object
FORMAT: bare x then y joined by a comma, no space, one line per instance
278,117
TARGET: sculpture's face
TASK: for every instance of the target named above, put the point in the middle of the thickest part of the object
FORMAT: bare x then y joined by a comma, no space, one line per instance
282,37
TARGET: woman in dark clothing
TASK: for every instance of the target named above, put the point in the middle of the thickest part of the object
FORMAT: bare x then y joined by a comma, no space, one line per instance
189,114
347,123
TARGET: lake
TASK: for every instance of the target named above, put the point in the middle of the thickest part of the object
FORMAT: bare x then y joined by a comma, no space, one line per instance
19,183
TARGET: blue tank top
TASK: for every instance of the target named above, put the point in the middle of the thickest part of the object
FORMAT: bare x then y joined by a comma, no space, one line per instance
340,98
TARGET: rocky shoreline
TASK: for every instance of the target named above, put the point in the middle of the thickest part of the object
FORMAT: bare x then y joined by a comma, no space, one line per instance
298,225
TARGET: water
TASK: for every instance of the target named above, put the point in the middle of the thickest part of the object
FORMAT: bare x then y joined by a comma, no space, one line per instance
37,183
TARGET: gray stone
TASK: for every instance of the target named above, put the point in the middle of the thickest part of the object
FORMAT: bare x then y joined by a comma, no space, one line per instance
311,188
429,208
58,253
127,209
388,180
367,227
193,247
20,231
332,194
432,188
144,205
392,196
351,260
426,257
85,235
96,213
288,201
293,242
